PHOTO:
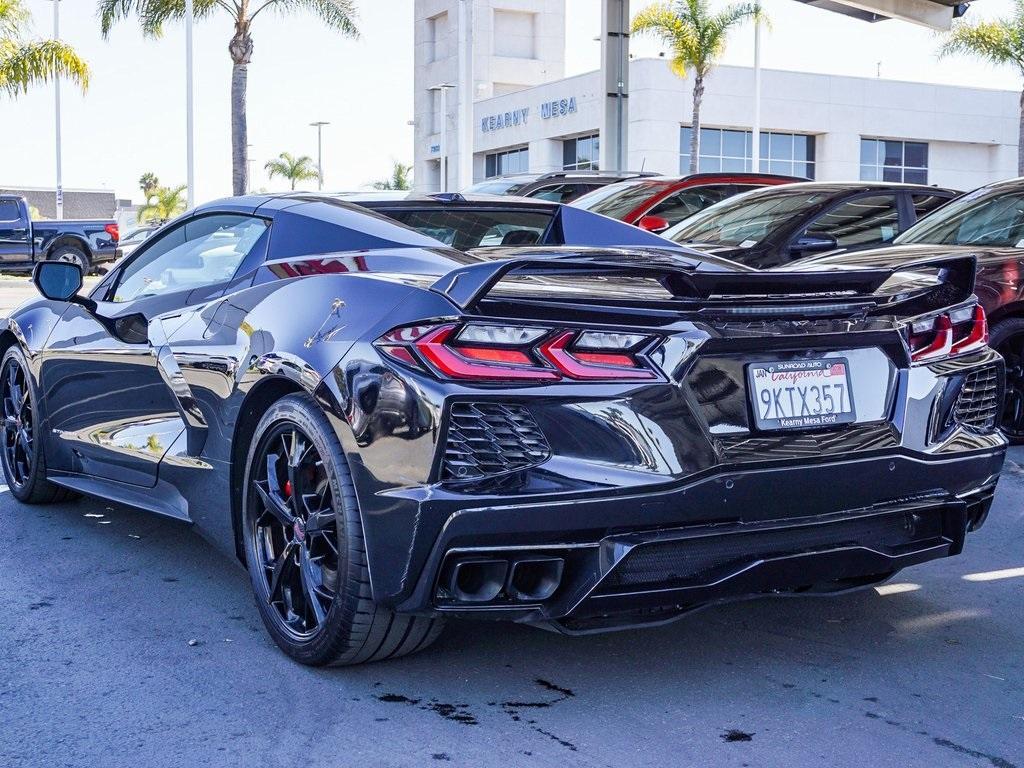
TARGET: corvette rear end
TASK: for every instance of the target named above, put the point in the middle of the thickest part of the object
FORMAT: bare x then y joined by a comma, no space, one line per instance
601,439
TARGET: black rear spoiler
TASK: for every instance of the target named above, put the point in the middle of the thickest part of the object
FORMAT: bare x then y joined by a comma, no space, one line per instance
467,286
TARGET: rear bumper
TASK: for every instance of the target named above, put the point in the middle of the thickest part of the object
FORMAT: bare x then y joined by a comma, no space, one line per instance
628,559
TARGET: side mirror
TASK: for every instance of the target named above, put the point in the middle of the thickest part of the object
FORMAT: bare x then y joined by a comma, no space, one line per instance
57,280
653,224
818,243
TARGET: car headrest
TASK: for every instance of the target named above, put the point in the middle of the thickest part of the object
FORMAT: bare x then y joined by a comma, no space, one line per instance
520,237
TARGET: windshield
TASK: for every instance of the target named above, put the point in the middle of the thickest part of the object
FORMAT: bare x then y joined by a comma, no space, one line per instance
744,220
618,200
984,217
498,186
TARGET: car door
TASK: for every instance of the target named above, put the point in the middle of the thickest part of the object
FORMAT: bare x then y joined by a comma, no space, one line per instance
111,413
15,234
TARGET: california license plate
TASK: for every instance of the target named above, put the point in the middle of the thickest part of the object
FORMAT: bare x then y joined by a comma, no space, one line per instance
801,394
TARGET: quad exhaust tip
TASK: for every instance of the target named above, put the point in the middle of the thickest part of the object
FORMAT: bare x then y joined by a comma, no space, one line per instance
484,580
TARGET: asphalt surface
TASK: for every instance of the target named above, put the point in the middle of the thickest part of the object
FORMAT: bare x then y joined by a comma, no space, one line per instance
125,640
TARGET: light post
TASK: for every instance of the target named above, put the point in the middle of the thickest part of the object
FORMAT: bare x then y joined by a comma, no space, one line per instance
319,125
755,145
56,91
190,160
443,89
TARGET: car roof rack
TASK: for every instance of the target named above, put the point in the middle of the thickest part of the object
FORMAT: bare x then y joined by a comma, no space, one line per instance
591,172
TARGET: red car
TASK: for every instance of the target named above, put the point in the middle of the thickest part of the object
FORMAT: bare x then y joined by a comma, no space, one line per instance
656,204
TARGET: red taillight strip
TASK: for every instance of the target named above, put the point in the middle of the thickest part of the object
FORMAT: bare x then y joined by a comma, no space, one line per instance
977,338
941,345
113,231
575,368
450,363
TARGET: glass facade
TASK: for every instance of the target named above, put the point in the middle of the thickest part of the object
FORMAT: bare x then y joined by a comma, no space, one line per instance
581,153
891,160
511,161
730,151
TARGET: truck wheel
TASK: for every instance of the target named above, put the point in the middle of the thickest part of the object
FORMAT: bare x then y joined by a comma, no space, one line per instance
72,255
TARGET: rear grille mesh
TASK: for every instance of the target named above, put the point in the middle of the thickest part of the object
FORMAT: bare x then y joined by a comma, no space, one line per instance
978,402
490,439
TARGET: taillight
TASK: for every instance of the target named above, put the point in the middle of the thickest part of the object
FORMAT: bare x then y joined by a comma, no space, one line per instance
488,352
113,231
949,334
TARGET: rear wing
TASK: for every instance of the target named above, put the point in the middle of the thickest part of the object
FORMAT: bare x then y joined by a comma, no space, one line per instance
908,289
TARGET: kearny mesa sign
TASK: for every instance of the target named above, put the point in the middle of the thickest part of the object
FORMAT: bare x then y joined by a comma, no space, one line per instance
548,110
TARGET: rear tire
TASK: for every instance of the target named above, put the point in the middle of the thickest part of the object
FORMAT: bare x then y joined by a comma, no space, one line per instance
1007,338
21,450
72,255
304,547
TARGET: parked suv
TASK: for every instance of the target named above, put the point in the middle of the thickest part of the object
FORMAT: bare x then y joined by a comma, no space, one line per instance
656,204
558,186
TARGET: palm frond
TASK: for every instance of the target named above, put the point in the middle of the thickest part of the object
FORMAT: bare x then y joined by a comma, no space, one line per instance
165,203
13,17
153,14
339,15
998,42
23,64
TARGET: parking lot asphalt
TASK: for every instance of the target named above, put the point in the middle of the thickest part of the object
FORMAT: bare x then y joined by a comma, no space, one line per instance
126,640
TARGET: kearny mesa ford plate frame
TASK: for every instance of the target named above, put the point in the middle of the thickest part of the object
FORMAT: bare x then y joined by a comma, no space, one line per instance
801,394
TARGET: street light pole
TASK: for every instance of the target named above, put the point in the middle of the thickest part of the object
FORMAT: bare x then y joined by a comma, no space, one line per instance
190,160
319,125
443,88
56,91
755,145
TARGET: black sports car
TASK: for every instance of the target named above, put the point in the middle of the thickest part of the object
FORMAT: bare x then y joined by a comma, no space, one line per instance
387,431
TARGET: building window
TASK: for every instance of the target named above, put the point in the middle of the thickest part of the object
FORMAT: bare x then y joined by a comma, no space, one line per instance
730,151
581,153
888,160
511,161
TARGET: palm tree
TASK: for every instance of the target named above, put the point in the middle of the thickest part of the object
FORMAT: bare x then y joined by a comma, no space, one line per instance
999,42
153,14
293,168
24,62
399,177
696,37
148,182
163,204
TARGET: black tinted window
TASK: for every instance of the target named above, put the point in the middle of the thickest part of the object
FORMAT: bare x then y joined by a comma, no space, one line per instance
925,204
687,202
462,228
9,210
861,221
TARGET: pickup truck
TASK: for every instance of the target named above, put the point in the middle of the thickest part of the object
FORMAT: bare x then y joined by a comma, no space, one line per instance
24,242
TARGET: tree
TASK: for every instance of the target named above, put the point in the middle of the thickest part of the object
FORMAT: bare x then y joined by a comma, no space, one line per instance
999,42
24,62
293,168
148,183
153,14
696,36
165,203
399,177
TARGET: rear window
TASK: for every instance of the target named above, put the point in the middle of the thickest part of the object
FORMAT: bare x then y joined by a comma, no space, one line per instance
9,210
619,200
463,228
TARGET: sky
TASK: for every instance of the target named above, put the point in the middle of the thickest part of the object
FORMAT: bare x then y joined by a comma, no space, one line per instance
132,119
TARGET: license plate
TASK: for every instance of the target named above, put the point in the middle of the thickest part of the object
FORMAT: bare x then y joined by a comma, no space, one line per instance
801,394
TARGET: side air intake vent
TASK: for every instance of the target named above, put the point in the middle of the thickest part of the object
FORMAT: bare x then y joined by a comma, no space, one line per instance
491,438
978,403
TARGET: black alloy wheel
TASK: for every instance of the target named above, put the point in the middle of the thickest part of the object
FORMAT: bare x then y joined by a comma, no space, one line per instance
1008,340
295,530
19,454
23,458
304,549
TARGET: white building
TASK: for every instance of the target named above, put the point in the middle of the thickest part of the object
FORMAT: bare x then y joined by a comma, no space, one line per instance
526,116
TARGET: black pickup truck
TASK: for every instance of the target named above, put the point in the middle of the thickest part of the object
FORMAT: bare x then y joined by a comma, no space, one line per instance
23,242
